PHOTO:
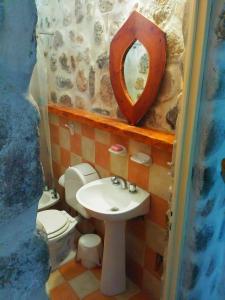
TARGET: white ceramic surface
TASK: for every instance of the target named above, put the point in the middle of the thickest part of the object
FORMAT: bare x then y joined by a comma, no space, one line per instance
109,202
47,200
106,201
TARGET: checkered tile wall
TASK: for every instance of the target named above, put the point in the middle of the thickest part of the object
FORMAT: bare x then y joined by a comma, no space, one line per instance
147,236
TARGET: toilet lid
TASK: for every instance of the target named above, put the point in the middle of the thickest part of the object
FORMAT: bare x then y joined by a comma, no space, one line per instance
53,221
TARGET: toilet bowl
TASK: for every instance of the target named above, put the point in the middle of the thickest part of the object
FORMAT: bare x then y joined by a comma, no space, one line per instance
59,226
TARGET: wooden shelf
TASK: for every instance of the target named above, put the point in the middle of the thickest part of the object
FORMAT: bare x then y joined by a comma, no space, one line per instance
152,137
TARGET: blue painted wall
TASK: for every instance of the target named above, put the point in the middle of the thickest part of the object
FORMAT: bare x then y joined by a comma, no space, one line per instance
203,265
23,253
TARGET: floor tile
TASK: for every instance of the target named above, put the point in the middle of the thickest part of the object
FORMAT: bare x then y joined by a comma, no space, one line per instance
98,296
132,290
97,272
54,280
85,284
71,269
63,292
73,282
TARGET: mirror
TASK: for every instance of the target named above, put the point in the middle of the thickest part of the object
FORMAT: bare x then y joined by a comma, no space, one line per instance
136,68
137,64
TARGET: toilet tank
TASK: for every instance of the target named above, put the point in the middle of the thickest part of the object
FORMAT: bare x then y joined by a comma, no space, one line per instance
73,179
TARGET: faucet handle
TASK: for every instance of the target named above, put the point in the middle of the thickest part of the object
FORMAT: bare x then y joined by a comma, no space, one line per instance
132,188
55,194
115,180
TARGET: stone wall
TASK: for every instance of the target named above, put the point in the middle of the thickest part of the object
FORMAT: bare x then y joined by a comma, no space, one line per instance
202,274
77,53
23,253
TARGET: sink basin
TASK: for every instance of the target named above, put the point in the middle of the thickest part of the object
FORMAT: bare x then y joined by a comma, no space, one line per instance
109,202
106,201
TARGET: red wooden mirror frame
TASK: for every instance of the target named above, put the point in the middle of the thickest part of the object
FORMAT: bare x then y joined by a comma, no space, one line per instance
137,27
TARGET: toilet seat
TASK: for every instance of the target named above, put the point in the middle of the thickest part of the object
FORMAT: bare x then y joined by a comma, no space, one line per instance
54,222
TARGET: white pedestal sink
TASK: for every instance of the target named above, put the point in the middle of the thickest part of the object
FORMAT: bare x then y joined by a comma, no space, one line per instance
114,206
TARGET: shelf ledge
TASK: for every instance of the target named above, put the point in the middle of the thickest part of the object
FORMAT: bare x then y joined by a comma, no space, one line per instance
152,137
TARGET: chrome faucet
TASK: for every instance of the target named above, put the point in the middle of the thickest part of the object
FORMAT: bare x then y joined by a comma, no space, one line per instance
119,180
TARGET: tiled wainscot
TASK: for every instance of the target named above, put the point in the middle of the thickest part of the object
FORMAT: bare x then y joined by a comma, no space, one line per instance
146,236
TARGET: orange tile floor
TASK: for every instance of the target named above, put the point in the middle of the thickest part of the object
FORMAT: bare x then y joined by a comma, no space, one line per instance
73,282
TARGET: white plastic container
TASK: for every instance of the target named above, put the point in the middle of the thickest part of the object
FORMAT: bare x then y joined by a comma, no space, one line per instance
90,250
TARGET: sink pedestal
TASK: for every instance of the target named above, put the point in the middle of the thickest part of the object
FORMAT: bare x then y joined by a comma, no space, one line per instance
114,205
113,280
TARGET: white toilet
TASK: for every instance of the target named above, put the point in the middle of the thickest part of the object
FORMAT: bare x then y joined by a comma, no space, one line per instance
59,225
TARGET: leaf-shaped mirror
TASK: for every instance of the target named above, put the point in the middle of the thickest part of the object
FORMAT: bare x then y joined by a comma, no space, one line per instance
136,68
139,32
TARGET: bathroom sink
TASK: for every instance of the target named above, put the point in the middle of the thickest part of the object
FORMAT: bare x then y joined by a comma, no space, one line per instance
106,201
109,202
